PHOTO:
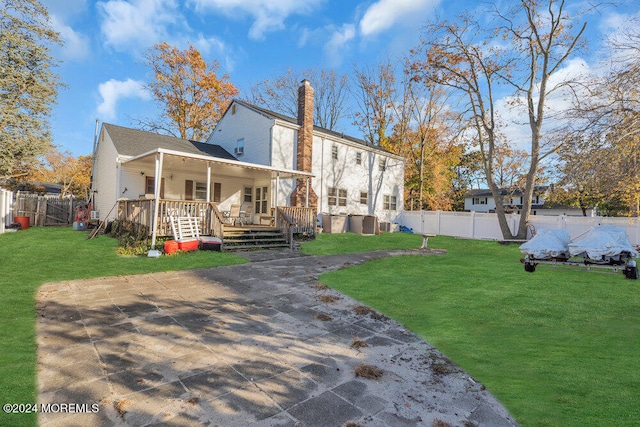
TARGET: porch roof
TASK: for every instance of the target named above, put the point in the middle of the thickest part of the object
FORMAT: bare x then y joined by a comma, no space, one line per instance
231,167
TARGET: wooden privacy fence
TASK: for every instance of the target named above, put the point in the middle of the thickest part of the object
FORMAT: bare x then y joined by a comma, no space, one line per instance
46,210
475,225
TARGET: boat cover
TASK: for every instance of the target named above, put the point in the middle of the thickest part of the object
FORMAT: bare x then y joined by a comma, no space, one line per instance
603,242
548,244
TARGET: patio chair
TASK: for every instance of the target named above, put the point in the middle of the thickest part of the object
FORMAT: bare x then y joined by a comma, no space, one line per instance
234,214
246,216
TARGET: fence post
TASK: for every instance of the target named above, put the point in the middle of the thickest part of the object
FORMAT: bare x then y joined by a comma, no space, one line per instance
473,225
3,209
438,220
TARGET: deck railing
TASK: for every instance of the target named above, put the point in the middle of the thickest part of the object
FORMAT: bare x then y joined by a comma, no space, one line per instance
293,220
290,220
141,211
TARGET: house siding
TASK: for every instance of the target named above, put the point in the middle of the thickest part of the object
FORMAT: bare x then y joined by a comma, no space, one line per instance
273,142
344,173
105,176
233,127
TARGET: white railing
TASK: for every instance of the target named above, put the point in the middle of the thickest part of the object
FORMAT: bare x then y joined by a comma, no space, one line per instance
6,204
475,225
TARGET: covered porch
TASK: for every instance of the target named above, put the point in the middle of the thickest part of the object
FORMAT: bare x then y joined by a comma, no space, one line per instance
219,192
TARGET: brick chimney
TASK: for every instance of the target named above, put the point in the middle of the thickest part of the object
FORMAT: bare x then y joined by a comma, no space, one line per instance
305,146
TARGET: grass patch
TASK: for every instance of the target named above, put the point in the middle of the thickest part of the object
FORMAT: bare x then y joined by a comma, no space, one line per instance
38,255
347,243
558,347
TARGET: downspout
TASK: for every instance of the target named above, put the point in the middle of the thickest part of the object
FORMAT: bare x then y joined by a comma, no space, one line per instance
92,185
320,203
156,195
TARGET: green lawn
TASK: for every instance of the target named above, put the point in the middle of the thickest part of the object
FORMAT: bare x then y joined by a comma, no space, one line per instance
558,347
38,255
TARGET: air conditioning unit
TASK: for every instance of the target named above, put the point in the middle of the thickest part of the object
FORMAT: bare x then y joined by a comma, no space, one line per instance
239,151
95,215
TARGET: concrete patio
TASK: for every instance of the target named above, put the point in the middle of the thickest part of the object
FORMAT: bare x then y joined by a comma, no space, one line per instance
250,344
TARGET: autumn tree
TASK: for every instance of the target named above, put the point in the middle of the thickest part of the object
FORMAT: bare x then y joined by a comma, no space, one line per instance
28,86
601,164
375,94
424,135
190,93
519,54
72,173
281,95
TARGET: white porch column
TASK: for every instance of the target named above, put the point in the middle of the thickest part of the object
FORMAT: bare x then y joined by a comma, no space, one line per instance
156,195
208,182
306,201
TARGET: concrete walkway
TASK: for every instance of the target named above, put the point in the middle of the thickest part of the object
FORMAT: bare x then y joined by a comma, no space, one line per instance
254,344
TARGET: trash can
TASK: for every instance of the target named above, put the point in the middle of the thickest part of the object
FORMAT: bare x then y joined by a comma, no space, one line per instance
355,223
23,221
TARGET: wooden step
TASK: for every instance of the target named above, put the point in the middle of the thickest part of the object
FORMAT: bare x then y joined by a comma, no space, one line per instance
239,238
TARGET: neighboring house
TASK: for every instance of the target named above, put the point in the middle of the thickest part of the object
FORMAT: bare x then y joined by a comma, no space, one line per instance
481,200
49,188
350,176
275,162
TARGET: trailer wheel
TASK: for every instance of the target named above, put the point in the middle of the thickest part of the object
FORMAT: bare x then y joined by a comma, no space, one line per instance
631,273
529,267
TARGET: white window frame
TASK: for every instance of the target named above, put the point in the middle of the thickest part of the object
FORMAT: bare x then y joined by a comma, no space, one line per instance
239,150
364,198
390,202
337,196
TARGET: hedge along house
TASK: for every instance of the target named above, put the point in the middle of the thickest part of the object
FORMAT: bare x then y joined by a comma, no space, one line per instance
349,175
195,179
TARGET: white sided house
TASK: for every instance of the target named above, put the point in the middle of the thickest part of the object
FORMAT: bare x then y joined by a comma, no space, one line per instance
481,200
273,168
349,176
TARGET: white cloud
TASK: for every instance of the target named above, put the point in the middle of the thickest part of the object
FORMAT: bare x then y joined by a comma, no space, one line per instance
268,15
113,91
386,14
76,45
337,46
137,24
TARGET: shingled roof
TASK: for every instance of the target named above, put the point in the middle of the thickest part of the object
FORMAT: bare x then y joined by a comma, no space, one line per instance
133,142
273,115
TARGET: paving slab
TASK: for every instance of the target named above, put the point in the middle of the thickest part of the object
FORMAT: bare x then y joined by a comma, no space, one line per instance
253,344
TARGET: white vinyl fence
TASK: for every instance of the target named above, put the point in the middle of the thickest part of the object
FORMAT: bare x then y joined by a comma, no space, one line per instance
474,225
6,201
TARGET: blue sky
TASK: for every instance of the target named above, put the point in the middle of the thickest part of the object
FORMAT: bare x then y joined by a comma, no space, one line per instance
251,39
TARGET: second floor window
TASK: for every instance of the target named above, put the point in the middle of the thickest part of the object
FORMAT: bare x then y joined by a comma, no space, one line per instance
239,151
